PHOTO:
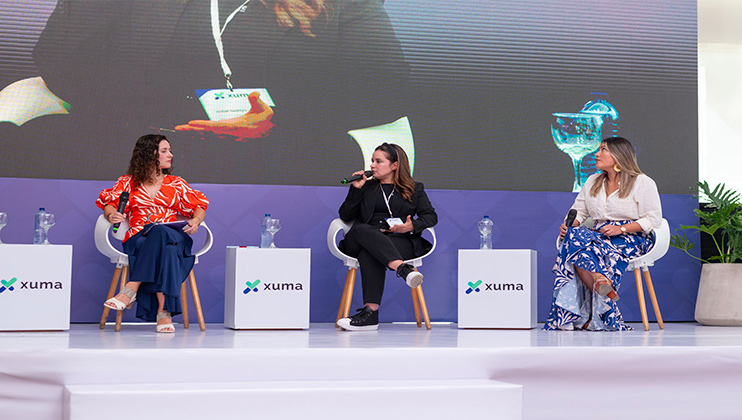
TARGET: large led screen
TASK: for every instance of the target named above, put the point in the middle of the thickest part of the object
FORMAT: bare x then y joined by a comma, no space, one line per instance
483,94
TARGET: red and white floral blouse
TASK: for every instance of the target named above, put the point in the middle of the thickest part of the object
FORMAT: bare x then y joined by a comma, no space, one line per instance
175,197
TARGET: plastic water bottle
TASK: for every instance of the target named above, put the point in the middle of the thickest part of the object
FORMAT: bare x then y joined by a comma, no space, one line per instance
39,234
265,236
485,233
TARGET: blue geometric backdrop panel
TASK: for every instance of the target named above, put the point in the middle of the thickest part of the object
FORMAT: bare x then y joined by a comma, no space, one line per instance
523,220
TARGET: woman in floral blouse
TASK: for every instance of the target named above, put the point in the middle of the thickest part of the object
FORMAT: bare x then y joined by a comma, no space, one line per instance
159,255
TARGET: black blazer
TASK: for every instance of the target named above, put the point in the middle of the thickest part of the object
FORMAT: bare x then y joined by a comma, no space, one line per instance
359,205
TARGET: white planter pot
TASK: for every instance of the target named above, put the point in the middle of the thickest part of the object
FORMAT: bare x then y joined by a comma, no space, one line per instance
720,295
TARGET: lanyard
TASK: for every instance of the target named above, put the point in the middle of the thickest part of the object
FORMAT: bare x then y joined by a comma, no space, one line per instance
386,199
217,32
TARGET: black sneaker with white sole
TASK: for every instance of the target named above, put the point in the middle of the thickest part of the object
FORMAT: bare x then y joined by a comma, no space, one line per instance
412,277
365,320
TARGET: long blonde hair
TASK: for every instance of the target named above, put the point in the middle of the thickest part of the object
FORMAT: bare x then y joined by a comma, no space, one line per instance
301,13
623,154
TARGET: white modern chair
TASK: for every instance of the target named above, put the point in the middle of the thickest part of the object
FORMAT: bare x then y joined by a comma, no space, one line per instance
418,299
658,250
121,273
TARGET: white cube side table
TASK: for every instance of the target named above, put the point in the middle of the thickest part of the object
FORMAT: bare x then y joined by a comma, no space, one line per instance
267,288
497,288
35,283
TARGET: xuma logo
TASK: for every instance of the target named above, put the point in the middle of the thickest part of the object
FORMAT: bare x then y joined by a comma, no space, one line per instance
7,285
220,95
237,95
253,287
494,287
473,287
29,285
283,286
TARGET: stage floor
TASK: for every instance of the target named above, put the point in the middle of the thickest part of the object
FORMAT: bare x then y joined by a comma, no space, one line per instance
687,371
394,335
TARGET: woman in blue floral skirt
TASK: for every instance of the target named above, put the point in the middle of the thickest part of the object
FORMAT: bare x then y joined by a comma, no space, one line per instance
625,205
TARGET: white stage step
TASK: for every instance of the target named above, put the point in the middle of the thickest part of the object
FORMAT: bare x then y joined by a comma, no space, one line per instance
307,400
685,372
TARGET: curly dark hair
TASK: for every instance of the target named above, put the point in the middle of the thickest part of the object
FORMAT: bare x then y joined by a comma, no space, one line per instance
145,159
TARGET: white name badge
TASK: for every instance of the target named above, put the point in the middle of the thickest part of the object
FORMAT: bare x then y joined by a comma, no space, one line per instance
393,221
221,104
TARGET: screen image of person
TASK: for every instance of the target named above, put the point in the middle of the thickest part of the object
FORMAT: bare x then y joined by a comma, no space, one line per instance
625,205
159,255
206,71
384,232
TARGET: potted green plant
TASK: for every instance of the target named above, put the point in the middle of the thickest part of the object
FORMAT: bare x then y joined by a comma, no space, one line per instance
719,299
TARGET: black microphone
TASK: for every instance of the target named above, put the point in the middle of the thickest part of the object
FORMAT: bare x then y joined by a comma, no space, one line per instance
356,177
571,217
122,205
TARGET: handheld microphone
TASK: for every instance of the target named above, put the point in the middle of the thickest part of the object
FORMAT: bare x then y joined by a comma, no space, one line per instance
571,217
122,205
366,174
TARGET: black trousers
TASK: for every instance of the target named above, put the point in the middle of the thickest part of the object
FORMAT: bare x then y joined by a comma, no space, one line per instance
374,250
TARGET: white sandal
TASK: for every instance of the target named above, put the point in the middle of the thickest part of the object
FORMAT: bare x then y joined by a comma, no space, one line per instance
164,328
118,305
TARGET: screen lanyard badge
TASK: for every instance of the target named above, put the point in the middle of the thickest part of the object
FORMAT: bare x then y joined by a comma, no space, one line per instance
221,104
217,32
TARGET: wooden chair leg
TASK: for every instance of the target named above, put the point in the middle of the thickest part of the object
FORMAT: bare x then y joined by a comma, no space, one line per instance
347,296
416,306
653,298
111,291
184,305
120,314
423,306
197,301
642,302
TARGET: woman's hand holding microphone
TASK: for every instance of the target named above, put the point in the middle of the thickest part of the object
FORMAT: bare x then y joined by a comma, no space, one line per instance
563,228
115,217
359,183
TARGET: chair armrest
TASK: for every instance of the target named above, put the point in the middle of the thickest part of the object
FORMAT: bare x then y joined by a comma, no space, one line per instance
103,241
419,260
207,243
336,226
658,250
434,242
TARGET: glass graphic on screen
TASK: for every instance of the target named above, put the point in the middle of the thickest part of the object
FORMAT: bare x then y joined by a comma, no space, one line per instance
579,134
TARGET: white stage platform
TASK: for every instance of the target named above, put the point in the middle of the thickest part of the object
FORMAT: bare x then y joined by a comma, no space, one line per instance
686,371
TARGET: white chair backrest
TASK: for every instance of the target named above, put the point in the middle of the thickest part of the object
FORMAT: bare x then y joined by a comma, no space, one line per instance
658,250
207,243
338,224
103,241
121,232
105,247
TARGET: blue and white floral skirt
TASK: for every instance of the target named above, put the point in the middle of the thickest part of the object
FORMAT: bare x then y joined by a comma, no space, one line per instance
574,305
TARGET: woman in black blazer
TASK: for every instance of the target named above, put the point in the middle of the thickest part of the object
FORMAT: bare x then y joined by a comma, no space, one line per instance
384,233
